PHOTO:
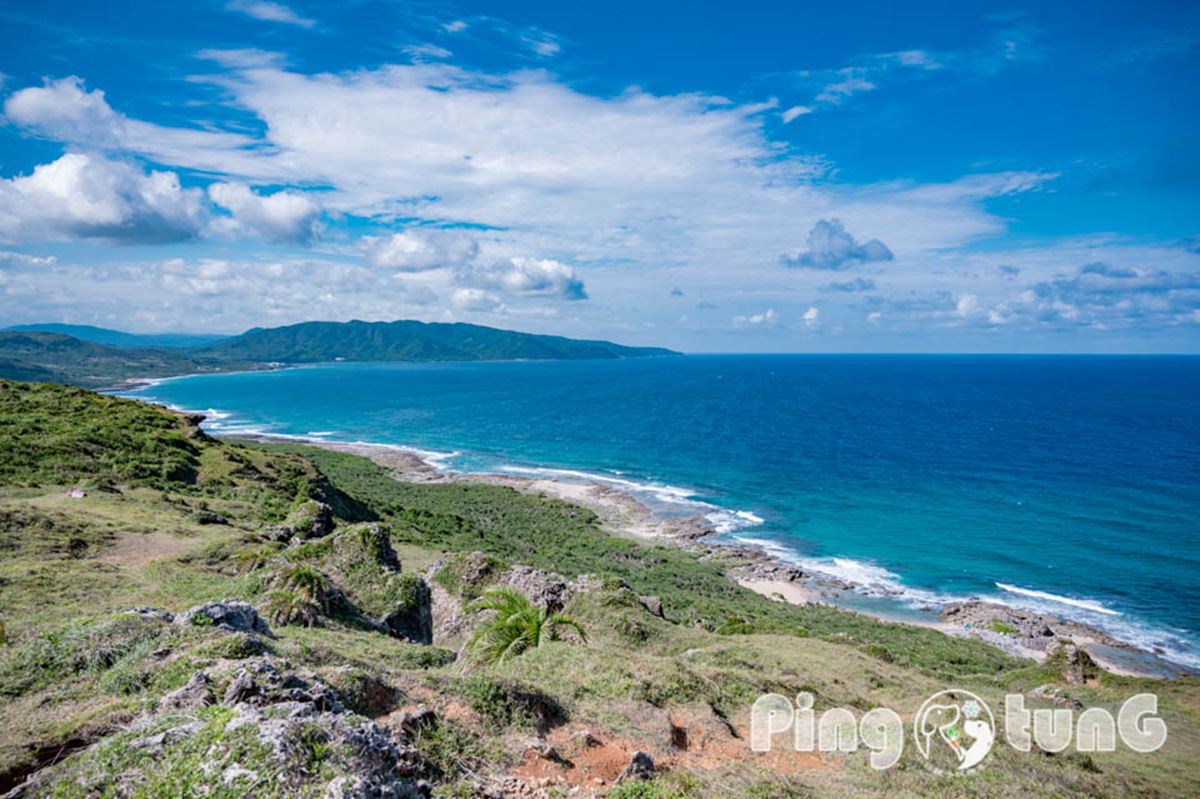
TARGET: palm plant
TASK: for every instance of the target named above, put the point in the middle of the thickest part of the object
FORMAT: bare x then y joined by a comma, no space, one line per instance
517,626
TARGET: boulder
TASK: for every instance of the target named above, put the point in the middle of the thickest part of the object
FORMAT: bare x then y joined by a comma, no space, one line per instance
232,615
652,604
641,767
549,590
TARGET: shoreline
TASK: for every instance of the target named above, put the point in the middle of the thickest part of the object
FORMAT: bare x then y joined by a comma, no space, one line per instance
1022,633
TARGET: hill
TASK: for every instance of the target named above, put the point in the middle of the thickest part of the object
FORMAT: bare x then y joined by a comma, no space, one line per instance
311,342
185,616
57,358
117,338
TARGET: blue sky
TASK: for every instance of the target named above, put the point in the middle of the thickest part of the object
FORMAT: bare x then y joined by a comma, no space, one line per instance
750,176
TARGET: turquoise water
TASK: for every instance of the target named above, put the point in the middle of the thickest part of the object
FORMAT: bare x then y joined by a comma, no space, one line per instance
1065,484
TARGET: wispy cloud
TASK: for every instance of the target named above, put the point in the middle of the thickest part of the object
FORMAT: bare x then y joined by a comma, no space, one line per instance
270,12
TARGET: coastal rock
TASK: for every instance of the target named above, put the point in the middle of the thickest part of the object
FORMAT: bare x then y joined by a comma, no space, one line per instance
310,519
232,615
549,590
370,542
1075,664
412,619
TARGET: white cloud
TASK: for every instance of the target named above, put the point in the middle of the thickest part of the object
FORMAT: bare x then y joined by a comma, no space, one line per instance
849,83
457,26
767,317
811,317
64,110
285,216
795,112
831,247
546,47
81,196
423,51
528,276
270,12
419,250
469,299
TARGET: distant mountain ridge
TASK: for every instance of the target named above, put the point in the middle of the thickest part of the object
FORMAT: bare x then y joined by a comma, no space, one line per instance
118,338
313,342
53,357
58,358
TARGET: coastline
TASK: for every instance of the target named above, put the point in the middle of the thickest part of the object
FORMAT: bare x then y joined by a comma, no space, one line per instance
1022,633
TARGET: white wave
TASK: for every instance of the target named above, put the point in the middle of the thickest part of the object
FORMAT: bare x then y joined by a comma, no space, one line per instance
1085,604
319,433
660,491
726,521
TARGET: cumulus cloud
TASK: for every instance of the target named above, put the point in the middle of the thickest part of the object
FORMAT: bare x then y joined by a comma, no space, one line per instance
64,110
285,216
82,196
420,250
528,276
811,317
762,319
270,12
469,299
830,247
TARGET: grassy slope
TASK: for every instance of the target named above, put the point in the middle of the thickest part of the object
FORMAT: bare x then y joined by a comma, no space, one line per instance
74,669
56,358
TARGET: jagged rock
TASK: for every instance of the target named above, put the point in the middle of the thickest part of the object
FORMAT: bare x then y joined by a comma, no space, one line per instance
652,604
1074,662
152,613
159,741
641,767
228,615
369,541
549,590
195,694
412,620
240,688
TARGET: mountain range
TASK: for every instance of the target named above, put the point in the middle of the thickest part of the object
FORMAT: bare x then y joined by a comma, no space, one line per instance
88,356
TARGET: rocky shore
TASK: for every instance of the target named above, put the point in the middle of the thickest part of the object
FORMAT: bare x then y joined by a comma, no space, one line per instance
1022,633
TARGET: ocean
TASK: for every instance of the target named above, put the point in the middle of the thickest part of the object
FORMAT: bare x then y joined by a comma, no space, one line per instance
1057,483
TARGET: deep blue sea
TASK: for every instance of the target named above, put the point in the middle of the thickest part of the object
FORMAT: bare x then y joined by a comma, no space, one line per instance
1066,484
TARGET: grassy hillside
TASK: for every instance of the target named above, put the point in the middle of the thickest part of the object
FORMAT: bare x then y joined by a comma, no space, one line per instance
57,358
408,341
97,701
